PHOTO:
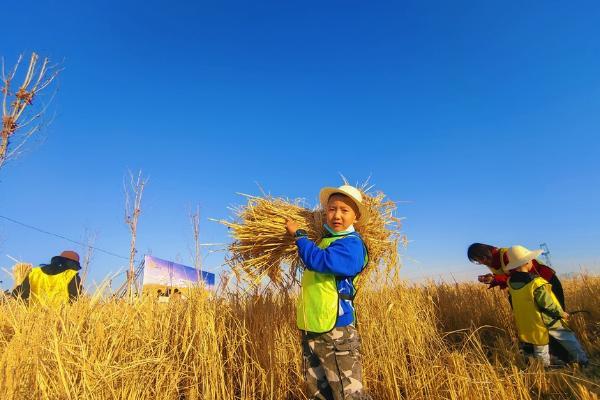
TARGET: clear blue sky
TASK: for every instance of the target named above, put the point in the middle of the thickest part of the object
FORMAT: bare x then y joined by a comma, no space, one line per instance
482,117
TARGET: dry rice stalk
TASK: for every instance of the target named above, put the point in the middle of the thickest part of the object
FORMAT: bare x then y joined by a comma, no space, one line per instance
20,271
262,248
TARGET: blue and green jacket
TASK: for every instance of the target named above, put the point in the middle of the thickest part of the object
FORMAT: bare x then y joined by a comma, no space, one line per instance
344,258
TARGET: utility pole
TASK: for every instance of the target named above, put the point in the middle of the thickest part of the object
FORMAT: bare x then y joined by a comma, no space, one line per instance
546,254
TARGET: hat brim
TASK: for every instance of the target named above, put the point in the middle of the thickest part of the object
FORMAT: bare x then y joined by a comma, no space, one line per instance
532,255
327,192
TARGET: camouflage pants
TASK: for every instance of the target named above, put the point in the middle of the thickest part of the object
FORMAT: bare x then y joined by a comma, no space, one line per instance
332,365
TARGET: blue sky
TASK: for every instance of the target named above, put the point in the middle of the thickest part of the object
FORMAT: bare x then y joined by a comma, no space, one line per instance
480,117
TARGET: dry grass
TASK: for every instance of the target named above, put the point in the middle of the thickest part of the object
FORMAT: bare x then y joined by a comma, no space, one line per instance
429,342
20,271
261,248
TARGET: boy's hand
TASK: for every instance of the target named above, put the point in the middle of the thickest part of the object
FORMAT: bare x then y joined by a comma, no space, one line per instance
565,315
291,227
487,278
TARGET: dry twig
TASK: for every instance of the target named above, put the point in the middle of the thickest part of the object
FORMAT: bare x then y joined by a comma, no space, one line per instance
20,119
132,213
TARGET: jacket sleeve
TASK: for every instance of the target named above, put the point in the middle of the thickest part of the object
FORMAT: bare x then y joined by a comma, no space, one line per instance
344,257
499,280
545,302
74,288
23,290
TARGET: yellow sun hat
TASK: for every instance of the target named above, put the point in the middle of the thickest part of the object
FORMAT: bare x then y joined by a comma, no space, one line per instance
350,191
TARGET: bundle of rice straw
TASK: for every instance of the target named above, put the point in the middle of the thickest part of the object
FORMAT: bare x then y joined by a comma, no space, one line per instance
262,248
19,272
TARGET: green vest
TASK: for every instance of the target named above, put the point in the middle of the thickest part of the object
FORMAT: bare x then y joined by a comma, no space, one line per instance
318,303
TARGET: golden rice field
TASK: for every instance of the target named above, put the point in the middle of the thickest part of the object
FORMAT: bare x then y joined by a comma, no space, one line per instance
435,341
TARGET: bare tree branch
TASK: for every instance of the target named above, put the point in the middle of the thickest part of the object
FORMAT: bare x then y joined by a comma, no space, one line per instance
195,221
133,210
16,106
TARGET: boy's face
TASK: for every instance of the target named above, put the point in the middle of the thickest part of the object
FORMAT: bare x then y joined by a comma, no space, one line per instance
341,212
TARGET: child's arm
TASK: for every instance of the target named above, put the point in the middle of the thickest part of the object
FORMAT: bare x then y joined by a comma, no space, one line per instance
344,257
546,303
494,280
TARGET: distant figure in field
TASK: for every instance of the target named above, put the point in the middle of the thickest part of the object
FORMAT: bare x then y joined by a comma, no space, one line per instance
538,313
163,297
52,284
325,309
496,260
176,294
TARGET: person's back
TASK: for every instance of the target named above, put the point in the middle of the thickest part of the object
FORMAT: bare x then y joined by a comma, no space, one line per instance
52,284
531,324
50,289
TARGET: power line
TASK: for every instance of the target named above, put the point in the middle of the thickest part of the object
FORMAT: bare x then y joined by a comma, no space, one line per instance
110,253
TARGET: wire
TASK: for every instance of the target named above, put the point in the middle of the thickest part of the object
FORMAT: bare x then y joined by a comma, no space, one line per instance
110,253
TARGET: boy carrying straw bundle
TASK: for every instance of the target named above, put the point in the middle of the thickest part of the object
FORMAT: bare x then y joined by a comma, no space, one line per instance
331,254
325,311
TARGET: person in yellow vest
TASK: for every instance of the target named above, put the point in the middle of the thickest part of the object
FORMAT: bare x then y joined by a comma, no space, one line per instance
52,284
537,312
325,311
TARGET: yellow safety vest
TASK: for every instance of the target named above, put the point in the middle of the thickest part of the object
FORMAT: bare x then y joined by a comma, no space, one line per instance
318,302
528,318
50,290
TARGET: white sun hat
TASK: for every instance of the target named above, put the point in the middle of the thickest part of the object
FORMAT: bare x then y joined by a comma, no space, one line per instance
519,255
349,191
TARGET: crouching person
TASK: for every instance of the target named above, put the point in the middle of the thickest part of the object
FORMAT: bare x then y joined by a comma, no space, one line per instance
52,284
538,313
325,309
